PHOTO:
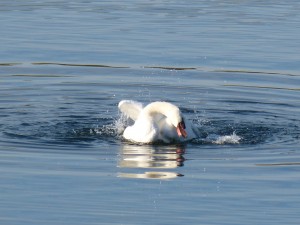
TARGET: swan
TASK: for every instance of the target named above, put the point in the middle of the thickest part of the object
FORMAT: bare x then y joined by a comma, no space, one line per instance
157,121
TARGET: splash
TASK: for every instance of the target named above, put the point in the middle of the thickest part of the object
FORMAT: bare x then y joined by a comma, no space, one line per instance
226,139
121,123
116,128
204,135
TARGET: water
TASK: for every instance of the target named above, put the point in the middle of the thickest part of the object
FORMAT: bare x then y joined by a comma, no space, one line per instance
233,69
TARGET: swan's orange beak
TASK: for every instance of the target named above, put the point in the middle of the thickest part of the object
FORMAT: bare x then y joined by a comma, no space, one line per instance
181,130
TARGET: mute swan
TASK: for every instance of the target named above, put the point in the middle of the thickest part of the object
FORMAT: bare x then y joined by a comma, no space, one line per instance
158,121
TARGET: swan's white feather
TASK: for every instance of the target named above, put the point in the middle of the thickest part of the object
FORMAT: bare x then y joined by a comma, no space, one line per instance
155,122
131,109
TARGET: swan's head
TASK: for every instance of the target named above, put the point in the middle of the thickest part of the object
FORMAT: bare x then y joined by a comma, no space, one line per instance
181,129
178,122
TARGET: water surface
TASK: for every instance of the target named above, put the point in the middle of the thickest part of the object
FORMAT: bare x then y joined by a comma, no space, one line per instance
232,68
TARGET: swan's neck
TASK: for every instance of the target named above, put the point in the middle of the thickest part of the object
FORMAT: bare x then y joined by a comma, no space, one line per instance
166,109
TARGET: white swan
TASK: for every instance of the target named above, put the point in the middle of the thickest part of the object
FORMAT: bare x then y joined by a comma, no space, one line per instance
158,121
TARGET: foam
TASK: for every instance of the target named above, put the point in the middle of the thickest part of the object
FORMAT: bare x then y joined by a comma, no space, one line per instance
225,139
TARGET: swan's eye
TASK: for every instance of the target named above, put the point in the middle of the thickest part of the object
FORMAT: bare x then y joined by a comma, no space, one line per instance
182,124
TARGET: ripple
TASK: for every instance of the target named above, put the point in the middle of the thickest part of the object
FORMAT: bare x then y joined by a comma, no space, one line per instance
78,65
40,75
164,67
262,87
10,64
69,110
80,129
151,175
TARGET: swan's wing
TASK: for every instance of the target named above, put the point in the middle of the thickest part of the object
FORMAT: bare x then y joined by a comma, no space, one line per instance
130,108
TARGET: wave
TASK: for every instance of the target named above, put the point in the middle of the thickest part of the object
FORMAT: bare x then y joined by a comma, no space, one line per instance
165,67
205,136
209,131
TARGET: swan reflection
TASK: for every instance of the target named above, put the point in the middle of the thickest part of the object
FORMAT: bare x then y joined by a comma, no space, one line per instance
154,157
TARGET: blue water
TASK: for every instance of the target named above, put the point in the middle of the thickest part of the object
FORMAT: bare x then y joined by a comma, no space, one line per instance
232,68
